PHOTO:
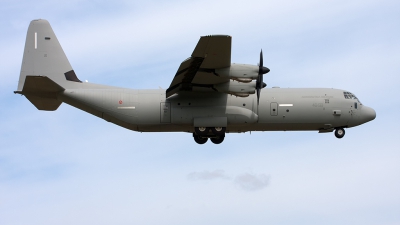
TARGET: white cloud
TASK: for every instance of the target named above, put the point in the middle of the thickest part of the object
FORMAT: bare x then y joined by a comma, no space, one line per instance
246,181
252,182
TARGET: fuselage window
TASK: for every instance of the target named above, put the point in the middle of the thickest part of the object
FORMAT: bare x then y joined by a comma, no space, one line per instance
355,105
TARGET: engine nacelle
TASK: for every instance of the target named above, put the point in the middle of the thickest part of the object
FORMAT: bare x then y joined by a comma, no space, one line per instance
236,88
241,72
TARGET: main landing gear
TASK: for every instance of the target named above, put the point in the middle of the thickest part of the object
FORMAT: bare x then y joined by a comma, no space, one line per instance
215,134
339,132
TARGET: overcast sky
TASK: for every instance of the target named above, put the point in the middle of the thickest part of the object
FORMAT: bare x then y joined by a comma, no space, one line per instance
68,167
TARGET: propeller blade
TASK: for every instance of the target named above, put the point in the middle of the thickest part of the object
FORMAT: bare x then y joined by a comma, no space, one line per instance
261,71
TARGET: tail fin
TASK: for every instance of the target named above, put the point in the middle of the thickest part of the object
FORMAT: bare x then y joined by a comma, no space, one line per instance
45,69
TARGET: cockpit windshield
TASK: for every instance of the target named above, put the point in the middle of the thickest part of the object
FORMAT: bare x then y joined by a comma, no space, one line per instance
348,95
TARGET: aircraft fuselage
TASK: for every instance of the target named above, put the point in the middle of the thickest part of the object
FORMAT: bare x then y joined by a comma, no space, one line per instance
288,109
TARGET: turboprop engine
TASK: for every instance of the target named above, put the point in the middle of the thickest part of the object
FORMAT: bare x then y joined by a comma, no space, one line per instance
237,88
243,74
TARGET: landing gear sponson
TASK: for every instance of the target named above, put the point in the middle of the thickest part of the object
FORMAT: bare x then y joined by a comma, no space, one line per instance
202,134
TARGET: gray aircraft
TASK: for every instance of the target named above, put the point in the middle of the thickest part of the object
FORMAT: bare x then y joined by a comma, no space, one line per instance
207,97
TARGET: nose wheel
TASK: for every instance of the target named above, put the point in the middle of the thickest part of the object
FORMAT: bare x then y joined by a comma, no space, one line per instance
339,132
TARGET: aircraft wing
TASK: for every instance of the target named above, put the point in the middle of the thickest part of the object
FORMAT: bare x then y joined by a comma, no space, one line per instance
197,73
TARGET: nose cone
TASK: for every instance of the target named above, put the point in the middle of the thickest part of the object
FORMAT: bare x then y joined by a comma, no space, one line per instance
368,114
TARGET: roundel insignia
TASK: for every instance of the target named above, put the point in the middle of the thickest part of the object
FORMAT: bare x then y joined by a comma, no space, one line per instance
120,102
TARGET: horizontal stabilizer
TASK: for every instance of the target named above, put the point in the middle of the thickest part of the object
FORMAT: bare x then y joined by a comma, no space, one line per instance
42,92
47,104
40,84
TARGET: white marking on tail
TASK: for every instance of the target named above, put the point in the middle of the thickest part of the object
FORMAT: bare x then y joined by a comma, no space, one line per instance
35,40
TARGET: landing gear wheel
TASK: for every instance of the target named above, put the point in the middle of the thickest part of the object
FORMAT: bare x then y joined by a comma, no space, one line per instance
218,130
218,139
339,132
199,139
201,130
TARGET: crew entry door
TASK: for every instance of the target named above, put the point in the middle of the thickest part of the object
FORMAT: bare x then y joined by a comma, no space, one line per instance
274,109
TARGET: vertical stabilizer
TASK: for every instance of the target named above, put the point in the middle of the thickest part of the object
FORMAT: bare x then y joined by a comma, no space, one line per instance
43,56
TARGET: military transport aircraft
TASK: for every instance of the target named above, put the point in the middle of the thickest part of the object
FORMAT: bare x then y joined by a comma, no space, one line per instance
208,95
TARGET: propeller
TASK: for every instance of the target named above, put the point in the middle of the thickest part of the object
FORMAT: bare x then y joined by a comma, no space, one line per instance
259,82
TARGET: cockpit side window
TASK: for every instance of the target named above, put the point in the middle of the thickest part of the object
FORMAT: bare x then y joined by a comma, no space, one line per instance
349,95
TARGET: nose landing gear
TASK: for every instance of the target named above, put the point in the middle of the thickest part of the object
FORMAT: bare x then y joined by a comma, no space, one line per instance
339,132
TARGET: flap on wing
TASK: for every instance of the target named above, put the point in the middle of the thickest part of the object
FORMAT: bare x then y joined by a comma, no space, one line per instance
211,52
